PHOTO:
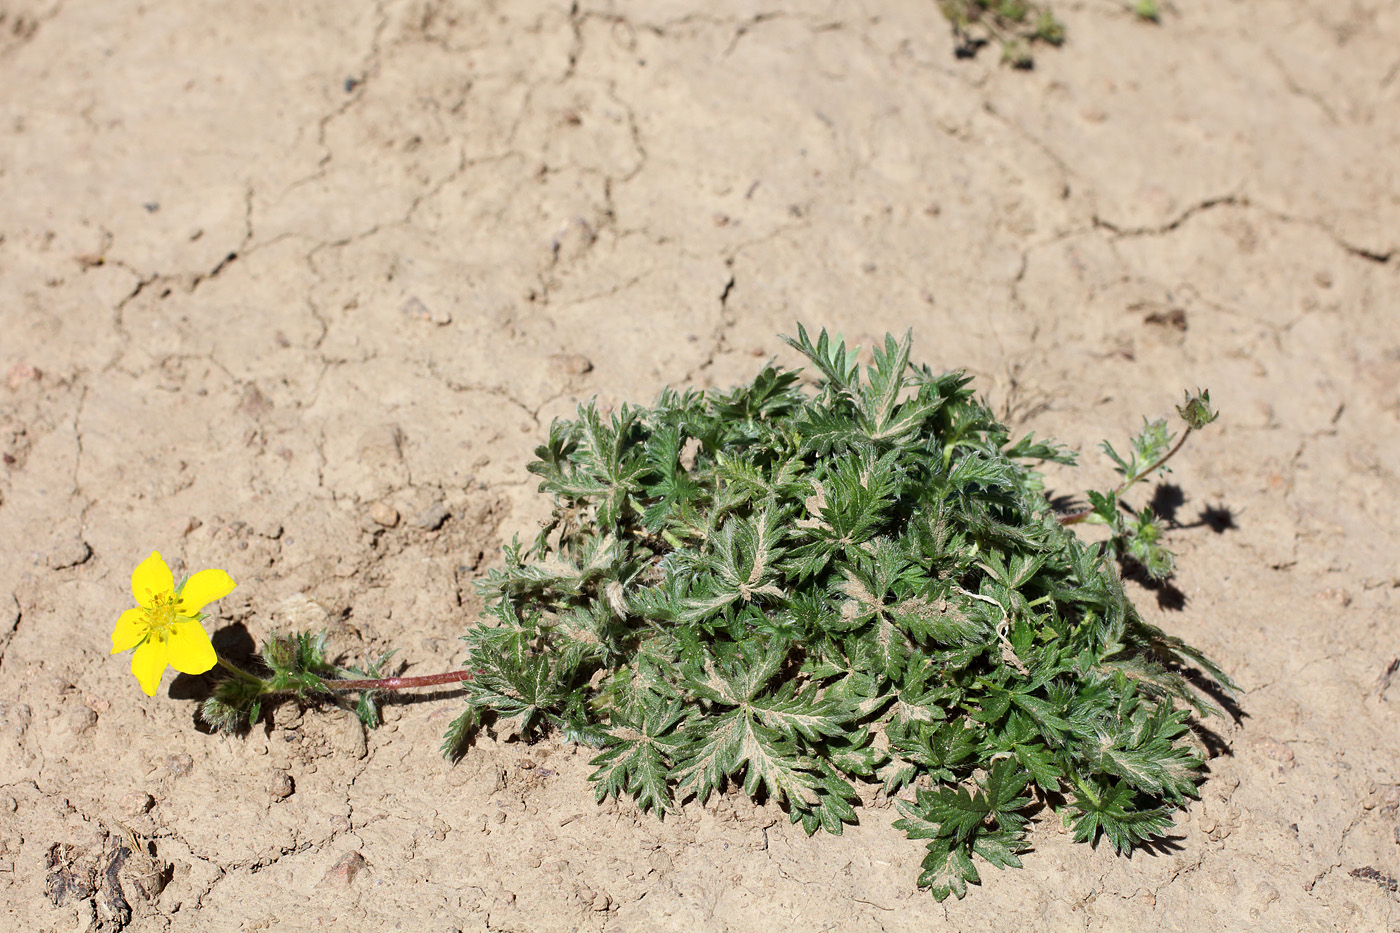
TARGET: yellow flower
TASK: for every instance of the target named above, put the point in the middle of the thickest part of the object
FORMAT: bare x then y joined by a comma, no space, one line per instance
165,627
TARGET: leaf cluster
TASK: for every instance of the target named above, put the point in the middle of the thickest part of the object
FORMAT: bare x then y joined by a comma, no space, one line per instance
812,588
1016,25
295,665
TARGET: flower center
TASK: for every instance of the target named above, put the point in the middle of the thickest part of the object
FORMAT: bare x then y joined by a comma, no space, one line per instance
162,615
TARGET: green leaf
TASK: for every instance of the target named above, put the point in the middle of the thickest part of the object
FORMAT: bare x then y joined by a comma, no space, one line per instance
1111,810
638,759
1041,765
948,871
830,358
735,743
799,715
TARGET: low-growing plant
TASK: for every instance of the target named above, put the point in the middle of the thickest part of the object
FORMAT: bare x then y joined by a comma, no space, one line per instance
806,591
816,589
1015,25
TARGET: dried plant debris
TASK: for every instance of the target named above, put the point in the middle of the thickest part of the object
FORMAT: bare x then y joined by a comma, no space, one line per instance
1375,876
806,589
113,874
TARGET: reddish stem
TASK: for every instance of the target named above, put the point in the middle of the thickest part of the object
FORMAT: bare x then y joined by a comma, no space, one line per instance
400,683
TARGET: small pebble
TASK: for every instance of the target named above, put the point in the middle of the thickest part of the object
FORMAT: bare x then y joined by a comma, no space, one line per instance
20,373
384,514
81,721
15,717
416,310
342,873
281,786
433,517
1276,750
136,803
571,364
179,765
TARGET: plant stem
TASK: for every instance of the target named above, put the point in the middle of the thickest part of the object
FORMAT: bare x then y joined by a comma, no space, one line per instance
238,672
400,683
1075,518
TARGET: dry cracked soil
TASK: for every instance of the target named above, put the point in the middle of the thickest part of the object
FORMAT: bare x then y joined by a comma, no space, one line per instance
294,290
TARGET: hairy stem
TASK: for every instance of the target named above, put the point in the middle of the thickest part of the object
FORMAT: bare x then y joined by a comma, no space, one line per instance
400,683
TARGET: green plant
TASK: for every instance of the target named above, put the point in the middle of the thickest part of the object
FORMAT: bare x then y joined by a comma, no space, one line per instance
1147,10
1015,25
297,665
1137,535
812,591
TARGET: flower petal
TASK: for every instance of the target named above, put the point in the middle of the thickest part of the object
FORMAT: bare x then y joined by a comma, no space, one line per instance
148,663
190,650
151,578
202,589
131,628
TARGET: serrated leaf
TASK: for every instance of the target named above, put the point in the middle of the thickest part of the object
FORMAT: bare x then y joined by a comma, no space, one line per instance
1111,811
638,760
948,871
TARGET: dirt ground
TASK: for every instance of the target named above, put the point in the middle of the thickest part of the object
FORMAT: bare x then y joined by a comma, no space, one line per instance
293,290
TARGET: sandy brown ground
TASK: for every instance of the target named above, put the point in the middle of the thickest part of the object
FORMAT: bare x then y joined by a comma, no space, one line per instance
268,269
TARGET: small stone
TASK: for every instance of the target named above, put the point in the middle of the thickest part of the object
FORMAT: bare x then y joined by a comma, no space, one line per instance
349,738
15,717
136,803
20,373
68,552
571,364
81,721
601,902
254,404
384,514
414,309
179,765
433,517
342,874
281,786
9,803
1276,750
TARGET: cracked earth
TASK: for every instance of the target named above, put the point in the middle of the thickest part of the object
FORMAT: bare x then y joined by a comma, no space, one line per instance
295,290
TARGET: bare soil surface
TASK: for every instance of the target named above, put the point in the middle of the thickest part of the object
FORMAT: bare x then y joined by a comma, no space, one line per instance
294,289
